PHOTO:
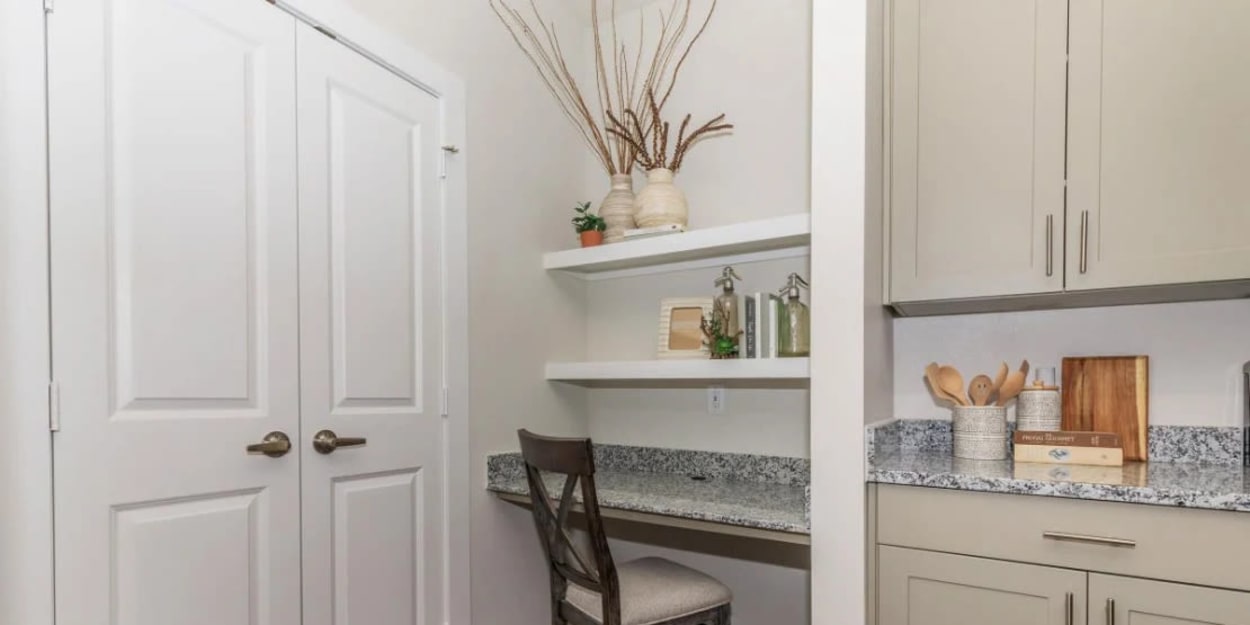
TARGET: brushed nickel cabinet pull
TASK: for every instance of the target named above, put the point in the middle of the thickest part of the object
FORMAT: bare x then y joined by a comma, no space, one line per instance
1050,245
1084,241
1110,611
1091,540
1069,610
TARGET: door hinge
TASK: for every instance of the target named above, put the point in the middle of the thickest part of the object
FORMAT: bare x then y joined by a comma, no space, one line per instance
447,149
54,406
443,402
49,6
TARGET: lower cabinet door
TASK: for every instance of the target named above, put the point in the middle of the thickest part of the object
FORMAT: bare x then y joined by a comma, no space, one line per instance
926,588
1115,600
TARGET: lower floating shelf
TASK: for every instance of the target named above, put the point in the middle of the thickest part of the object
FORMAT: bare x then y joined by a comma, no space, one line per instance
746,372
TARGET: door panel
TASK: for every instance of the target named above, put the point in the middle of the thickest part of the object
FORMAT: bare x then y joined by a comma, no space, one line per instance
174,311
976,125
371,349
1159,139
1146,602
928,588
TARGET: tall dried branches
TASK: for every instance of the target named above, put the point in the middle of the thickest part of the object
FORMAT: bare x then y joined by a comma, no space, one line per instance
648,137
622,81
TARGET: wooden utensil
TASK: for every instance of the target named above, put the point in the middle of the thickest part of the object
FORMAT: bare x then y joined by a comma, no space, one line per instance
952,383
980,390
931,374
1024,369
1011,387
1109,394
1003,370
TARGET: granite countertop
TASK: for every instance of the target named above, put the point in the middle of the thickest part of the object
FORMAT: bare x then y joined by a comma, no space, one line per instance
1205,485
733,489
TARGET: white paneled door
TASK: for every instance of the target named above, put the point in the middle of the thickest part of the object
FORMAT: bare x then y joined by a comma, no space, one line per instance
173,220
371,329
246,221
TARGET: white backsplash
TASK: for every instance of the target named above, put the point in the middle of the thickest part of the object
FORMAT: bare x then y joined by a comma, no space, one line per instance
1196,353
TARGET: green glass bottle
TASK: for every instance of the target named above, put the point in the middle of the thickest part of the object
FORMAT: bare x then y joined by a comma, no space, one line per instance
796,323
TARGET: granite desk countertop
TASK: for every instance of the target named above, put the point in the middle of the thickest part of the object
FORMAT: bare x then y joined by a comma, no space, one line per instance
1182,484
746,491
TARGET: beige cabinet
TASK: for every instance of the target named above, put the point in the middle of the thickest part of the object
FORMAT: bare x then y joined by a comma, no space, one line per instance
1159,141
918,587
1115,600
1137,106
976,147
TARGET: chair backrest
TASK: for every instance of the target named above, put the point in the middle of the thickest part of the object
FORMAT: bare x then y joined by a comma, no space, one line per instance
573,459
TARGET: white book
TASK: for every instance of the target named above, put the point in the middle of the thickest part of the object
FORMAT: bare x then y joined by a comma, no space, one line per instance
770,324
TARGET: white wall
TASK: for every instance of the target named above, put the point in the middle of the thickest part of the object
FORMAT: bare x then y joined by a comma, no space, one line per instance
520,153
1196,352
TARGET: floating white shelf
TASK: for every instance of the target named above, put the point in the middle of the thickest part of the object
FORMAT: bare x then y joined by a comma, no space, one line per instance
746,372
765,239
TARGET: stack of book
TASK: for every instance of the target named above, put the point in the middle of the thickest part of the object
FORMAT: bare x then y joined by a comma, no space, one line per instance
1090,448
762,321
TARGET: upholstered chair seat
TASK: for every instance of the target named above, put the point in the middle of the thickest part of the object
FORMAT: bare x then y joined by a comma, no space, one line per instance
654,591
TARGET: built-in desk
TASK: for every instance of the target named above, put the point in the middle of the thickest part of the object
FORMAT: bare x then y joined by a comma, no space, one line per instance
752,496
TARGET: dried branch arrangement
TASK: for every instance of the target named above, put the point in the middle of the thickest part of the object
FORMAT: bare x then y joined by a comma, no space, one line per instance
622,81
649,138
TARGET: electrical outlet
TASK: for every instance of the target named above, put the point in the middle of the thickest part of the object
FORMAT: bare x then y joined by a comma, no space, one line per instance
716,396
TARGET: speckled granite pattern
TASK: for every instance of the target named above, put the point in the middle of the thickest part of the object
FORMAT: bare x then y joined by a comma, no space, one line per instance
734,502
1213,487
1170,444
1207,445
745,467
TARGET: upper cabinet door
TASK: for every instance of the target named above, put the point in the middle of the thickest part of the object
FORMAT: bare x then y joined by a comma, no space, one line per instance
1159,142
976,140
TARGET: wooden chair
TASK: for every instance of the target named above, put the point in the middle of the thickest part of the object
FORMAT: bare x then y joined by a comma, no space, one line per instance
589,589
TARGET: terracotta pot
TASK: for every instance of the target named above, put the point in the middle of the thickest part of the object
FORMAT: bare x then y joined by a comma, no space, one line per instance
660,203
591,238
618,208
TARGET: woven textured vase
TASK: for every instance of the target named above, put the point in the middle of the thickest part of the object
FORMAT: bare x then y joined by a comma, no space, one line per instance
661,203
617,209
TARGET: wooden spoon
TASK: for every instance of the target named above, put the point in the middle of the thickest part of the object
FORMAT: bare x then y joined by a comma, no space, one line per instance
1011,388
1024,369
931,374
980,390
1003,370
952,383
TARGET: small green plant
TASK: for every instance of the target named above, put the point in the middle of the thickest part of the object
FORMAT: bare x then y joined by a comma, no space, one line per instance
586,221
719,341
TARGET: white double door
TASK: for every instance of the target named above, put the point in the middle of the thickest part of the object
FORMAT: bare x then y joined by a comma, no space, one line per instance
246,229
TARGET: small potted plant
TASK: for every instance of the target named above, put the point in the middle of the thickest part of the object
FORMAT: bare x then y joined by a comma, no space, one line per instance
588,225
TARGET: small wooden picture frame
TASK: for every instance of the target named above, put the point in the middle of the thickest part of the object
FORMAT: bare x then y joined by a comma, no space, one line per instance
680,333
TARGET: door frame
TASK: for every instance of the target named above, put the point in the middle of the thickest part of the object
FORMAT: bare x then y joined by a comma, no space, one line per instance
25,351
27,580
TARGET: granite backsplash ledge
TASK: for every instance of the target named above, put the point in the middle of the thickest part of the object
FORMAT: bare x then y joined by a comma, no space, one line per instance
1168,444
705,464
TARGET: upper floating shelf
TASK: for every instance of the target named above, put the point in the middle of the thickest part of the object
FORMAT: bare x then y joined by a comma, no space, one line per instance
753,240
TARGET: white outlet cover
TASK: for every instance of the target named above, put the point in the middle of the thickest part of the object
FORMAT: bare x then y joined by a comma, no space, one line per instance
716,398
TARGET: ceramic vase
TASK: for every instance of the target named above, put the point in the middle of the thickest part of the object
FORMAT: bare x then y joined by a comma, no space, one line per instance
661,203
617,209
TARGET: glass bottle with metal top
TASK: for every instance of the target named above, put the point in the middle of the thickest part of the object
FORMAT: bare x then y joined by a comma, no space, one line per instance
796,326
727,301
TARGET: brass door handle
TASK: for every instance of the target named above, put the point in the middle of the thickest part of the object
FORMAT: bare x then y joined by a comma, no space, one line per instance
274,445
326,441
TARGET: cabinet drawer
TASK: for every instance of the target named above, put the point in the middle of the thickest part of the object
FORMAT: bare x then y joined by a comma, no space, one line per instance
1196,546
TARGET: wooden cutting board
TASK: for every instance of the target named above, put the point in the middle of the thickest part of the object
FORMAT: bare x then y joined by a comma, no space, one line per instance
1109,394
